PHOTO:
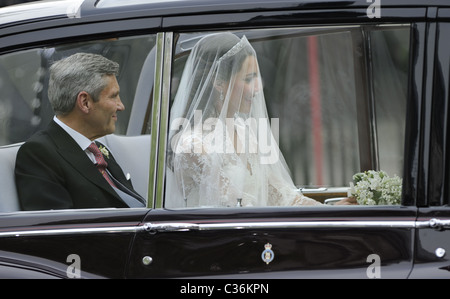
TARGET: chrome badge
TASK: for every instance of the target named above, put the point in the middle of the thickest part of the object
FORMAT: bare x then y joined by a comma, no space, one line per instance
267,255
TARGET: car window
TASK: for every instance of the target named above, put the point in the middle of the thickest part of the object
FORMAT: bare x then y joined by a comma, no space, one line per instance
336,100
25,108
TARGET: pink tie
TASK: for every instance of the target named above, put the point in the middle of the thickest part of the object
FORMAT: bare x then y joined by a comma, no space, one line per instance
101,163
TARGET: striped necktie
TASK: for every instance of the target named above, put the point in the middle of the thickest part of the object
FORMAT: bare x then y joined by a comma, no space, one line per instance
101,163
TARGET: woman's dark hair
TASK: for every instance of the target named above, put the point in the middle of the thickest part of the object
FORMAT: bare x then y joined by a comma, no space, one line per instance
212,48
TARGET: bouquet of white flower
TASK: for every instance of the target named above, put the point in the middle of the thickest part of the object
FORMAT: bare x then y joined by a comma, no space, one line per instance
376,188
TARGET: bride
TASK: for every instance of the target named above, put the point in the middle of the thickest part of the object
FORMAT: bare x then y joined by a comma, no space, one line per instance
223,152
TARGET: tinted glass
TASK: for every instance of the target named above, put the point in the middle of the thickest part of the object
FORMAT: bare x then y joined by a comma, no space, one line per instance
338,98
24,104
25,109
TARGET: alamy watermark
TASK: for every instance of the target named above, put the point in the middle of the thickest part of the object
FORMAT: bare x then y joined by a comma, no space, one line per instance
74,269
374,269
214,135
374,9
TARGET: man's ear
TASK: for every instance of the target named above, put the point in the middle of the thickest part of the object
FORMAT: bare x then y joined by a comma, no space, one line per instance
84,102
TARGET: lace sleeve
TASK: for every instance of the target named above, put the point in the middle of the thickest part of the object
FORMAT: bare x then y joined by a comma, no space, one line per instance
188,166
284,194
203,178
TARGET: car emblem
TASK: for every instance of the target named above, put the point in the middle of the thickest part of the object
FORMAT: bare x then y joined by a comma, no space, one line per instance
267,255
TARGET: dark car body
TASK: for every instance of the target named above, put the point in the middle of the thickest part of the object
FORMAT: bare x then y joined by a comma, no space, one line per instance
399,241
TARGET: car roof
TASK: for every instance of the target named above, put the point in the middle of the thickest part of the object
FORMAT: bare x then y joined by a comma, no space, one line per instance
37,11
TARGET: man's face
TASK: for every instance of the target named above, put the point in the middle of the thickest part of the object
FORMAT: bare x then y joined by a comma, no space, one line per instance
104,112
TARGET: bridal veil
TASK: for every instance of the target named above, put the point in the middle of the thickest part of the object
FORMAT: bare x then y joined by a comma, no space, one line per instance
222,149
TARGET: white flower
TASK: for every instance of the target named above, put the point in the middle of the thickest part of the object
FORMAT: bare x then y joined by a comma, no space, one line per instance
376,188
104,151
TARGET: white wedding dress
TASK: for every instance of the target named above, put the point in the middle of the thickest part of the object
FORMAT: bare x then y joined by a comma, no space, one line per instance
222,151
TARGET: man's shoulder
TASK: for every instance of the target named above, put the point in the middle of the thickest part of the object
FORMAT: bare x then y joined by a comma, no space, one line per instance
38,141
40,136
38,144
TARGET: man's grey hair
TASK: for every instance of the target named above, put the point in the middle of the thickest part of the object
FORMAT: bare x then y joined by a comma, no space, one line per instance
74,74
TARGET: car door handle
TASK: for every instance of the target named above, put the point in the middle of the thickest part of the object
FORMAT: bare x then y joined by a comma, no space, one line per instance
438,224
170,227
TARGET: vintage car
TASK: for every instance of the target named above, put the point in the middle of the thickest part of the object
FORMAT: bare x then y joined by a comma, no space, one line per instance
357,87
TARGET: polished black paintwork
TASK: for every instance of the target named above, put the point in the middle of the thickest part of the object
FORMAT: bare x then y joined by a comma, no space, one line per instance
232,252
341,252
102,254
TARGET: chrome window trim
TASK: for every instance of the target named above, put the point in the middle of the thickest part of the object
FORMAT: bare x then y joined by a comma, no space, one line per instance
160,118
40,10
186,226
164,118
155,121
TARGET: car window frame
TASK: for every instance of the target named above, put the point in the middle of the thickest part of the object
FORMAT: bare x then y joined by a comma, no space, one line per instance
365,99
416,16
56,33
439,147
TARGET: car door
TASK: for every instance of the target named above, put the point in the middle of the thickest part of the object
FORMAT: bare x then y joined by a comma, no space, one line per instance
431,258
347,100
88,243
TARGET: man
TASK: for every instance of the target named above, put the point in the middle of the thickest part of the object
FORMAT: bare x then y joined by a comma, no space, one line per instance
58,168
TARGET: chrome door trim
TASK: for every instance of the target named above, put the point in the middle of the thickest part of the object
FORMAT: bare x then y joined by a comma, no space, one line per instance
187,226
69,231
437,223
177,227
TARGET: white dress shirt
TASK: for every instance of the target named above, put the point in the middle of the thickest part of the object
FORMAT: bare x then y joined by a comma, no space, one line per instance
79,138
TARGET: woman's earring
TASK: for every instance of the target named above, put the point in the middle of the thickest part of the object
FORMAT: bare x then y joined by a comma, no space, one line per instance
221,95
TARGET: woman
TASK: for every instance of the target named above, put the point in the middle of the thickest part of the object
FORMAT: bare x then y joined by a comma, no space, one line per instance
223,150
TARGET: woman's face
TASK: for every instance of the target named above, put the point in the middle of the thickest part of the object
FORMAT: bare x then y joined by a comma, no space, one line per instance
243,86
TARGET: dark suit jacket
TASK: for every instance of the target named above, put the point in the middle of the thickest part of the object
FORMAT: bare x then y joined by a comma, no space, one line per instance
53,172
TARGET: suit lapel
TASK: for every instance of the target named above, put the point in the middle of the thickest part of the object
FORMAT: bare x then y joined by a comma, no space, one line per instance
73,154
